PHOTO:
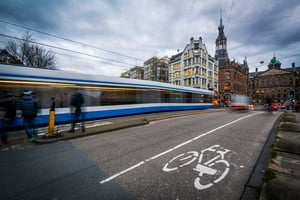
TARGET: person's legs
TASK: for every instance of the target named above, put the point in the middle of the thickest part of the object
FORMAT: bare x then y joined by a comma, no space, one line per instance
3,131
82,122
75,119
27,124
34,127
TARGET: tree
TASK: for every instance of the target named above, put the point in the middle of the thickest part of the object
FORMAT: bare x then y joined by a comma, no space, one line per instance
31,54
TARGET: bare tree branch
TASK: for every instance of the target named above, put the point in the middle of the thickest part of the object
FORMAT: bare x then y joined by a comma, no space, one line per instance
31,54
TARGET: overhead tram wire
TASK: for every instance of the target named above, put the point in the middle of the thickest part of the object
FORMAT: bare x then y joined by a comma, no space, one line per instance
64,49
73,56
2,41
66,39
229,16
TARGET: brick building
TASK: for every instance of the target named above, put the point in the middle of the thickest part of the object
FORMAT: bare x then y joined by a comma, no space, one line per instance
233,77
233,80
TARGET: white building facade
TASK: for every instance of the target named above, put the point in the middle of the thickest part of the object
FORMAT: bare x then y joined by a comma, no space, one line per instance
194,67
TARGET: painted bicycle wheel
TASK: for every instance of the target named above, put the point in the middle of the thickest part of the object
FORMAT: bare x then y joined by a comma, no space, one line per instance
205,180
181,160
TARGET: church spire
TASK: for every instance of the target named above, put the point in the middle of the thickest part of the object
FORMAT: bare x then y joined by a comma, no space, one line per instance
221,18
221,44
221,27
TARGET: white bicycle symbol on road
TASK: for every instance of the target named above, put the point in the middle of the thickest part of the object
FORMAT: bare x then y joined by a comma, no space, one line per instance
211,171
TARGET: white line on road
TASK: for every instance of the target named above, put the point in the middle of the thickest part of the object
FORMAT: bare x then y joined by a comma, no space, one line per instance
172,149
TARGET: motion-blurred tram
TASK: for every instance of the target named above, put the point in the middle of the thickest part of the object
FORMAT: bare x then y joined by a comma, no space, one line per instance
104,96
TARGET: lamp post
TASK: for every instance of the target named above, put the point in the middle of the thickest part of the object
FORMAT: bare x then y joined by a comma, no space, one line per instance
255,90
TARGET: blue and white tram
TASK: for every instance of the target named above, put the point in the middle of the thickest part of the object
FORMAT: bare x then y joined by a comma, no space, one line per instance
104,96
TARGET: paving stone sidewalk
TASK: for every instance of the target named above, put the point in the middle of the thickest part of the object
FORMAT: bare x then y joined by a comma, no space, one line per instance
282,176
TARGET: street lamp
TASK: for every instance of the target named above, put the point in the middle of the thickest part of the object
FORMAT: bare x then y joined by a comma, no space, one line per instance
255,89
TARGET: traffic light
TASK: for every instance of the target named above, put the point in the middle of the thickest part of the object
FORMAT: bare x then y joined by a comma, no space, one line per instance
292,94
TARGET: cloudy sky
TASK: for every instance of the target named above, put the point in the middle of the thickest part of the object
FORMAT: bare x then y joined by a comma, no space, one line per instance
115,35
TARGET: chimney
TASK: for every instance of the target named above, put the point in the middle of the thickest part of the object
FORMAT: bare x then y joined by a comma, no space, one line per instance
192,40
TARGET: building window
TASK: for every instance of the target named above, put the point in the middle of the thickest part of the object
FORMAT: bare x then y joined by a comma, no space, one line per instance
227,86
203,53
203,71
203,62
227,75
210,74
203,82
186,55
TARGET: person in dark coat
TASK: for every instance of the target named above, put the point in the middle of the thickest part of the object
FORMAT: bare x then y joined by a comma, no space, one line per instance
29,107
77,101
9,109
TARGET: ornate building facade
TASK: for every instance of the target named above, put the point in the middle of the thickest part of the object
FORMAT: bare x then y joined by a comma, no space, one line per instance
194,67
156,69
136,72
275,83
233,80
233,76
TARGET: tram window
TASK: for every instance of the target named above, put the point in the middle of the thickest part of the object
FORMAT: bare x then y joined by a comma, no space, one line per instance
195,98
188,98
151,96
101,95
177,97
166,97
204,98
122,96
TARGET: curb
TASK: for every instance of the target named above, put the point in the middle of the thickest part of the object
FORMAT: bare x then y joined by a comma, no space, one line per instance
94,131
255,181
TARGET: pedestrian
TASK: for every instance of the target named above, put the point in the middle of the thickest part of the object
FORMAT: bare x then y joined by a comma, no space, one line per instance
287,104
9,109
77,101
29,109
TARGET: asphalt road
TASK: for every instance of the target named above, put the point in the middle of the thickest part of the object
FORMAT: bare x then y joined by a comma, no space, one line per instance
207,156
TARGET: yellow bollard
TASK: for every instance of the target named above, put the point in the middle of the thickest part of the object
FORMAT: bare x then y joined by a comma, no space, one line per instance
51,119
51,123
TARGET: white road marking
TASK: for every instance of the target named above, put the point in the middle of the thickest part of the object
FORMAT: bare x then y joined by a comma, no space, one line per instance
122,172
172,149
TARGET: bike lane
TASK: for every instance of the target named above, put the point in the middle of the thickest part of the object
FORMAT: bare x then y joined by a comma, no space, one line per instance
214,164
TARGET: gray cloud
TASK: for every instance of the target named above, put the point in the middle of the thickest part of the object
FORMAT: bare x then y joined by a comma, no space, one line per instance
43,15
145,28
270,26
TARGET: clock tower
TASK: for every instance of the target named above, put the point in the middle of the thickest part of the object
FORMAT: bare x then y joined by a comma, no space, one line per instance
221,46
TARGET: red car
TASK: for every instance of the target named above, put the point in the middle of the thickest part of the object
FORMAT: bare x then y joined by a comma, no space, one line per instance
234,106
272,108
275,107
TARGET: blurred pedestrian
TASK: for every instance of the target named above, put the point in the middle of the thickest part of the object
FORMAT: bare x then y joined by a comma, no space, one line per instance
9,108
29,109
287,104
77,101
